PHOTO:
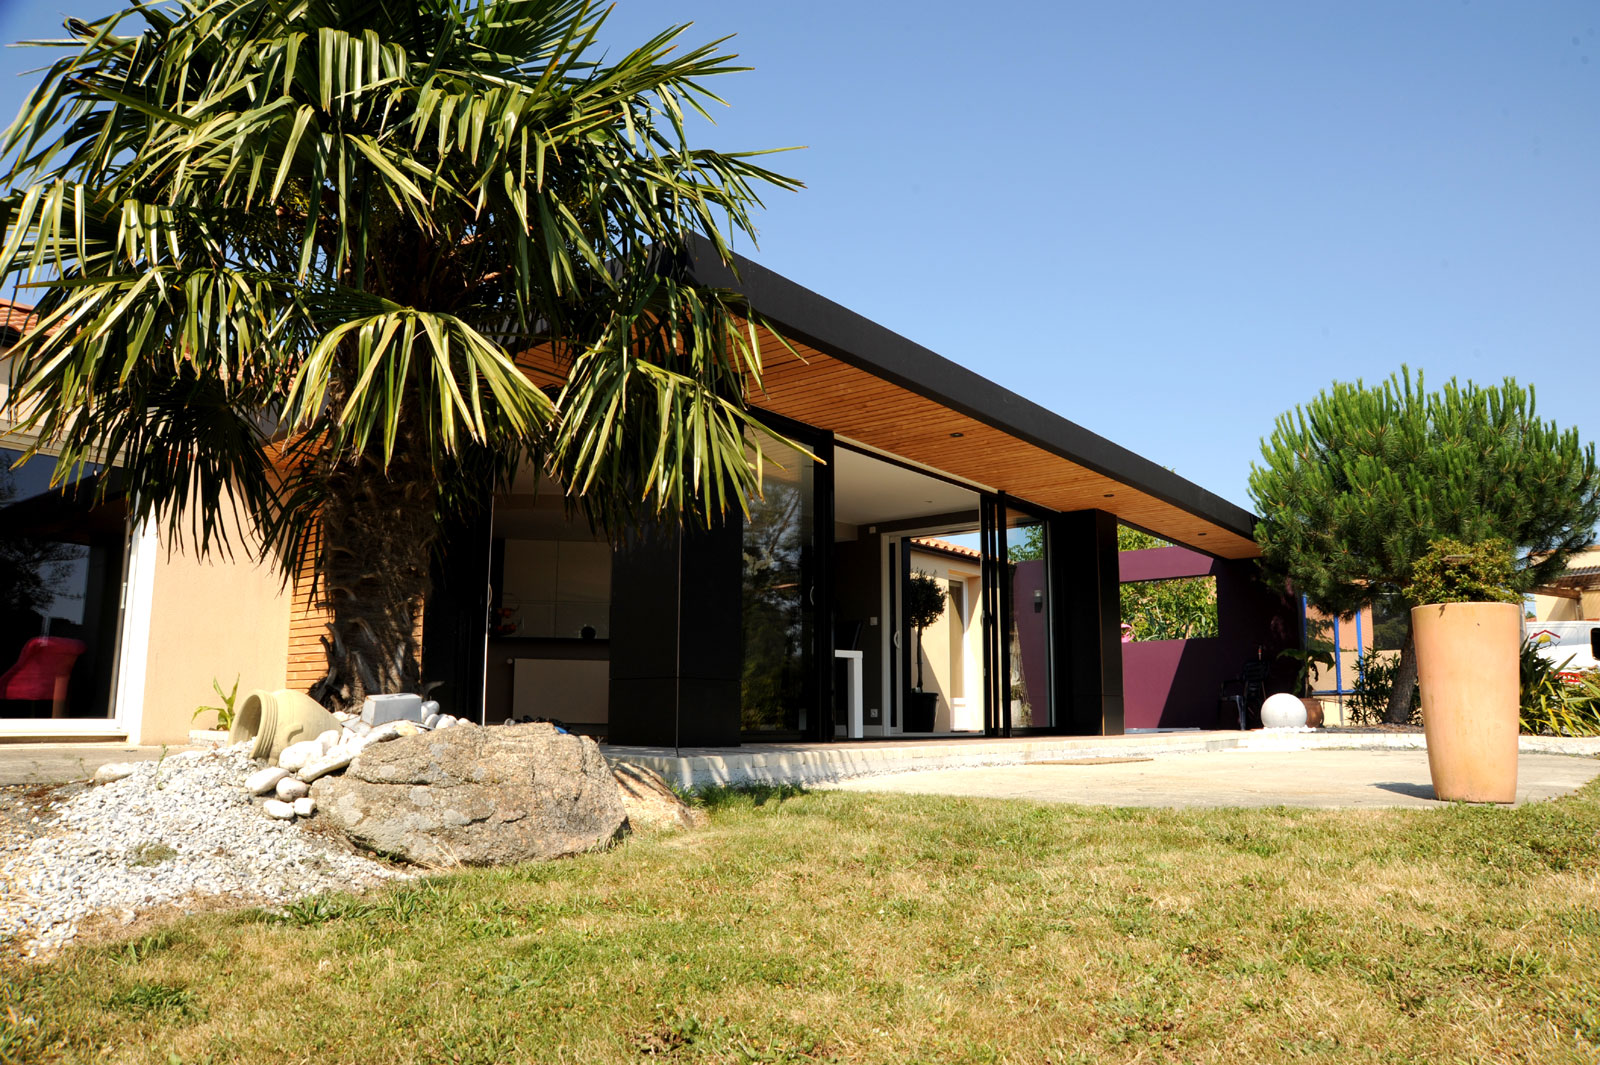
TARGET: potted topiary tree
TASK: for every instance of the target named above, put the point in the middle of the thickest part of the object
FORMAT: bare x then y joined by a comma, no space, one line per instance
1468,631
924,605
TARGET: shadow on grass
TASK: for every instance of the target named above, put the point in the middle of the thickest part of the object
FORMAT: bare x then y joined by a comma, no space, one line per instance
722,796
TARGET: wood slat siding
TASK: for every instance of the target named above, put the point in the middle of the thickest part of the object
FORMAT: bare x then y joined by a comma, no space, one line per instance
822,391
308,621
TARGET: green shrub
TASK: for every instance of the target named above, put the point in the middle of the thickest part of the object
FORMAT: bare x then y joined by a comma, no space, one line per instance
1454,572
1369,696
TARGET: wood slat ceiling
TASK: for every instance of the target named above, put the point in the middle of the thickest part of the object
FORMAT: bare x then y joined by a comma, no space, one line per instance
828,393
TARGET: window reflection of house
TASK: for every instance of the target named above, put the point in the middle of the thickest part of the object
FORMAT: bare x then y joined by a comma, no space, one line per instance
62,552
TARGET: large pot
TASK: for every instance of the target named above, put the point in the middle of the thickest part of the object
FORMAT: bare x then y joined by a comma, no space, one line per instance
1467,667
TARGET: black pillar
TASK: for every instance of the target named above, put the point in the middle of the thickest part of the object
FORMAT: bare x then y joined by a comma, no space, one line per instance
676,637
455,616
1088,629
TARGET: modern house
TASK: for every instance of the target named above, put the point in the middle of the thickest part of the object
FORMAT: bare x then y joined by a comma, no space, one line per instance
760,628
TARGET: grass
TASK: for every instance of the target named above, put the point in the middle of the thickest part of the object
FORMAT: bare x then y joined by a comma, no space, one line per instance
851,927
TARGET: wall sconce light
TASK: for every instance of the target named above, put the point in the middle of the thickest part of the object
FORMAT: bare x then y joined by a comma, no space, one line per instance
1038,601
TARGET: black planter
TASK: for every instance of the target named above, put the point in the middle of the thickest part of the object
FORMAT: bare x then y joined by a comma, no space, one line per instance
921,708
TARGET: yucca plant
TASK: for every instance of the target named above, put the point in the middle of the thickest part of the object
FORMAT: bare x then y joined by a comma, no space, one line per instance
1553,705
288,252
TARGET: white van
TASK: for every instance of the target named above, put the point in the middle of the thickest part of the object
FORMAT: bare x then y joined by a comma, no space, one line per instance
1560,640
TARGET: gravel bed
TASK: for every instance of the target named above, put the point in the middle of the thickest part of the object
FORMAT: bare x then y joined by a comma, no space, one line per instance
181,828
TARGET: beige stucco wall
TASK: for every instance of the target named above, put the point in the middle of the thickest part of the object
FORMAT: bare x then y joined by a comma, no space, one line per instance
948,640
219,618
1557,608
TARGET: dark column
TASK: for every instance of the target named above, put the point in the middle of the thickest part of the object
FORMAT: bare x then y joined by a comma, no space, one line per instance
1088,629
820,590
455,617
676,637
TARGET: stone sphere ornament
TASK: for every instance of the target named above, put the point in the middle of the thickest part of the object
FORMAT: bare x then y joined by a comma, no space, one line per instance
1283,711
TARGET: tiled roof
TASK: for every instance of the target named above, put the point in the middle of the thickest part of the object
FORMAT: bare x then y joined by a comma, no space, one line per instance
945,546
15,320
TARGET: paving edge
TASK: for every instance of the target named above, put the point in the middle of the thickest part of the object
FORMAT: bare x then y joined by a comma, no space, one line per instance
819,766
823,766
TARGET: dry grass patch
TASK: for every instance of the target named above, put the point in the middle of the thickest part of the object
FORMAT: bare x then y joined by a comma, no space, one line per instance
852,927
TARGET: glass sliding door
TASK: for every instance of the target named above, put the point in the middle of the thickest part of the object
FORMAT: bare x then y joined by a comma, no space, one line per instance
1027,628
1016,618
778,684
63,553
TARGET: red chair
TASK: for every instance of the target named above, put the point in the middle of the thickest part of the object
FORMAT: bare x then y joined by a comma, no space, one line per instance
42,672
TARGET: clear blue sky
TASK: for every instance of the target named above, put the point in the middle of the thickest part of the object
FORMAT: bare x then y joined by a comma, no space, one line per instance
1169,221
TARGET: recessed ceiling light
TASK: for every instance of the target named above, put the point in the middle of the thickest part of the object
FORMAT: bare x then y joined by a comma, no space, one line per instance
1110,494
958,434
1202,534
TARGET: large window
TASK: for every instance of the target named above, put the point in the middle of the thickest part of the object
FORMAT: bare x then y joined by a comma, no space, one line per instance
779,546
62,553
1028,627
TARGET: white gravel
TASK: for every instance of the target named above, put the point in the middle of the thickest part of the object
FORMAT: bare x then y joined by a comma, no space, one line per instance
181,828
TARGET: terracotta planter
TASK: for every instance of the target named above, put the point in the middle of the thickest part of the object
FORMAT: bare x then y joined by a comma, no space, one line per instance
1467,668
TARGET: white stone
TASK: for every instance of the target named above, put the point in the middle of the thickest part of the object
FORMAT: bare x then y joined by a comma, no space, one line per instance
342,717
383,733
281,810
335,760
378,709
113,771
432,720
1283,711
264,780
430,707
329,739
296,755
292,788
305,806
446,721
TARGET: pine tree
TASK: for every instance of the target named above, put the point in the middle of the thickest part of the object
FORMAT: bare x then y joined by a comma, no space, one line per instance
1356,484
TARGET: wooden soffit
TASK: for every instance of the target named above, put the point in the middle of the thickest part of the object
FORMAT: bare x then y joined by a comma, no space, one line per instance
871,386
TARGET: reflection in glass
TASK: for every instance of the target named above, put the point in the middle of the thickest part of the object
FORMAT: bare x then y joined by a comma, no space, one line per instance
61,561
1028,628
777,616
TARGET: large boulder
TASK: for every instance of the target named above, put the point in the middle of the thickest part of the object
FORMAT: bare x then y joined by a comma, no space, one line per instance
476,796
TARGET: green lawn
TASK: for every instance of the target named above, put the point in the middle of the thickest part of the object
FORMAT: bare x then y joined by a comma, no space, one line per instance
862,928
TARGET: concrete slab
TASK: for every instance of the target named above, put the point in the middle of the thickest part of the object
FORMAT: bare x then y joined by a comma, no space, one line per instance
58,763
821,763
1232,777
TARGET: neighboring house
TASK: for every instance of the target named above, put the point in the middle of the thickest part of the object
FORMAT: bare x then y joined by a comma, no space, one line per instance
696,638
1575,595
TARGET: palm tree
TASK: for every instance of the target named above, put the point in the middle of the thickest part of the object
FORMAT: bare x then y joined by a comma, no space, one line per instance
289,252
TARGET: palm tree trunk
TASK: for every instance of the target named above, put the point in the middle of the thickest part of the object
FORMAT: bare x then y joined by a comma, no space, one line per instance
1405,681
378,532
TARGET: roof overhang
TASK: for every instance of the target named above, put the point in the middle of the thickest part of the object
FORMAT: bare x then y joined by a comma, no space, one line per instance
872,386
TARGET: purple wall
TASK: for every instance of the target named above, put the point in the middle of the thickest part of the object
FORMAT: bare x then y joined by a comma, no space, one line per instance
1175,683
1028,578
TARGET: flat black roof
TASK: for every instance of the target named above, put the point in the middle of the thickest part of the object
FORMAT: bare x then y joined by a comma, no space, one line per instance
813,319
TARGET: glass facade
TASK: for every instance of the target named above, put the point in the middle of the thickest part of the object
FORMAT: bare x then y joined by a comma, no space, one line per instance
62,558
778,599
1028,626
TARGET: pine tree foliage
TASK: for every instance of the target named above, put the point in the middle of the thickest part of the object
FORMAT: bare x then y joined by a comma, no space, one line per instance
1354,486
